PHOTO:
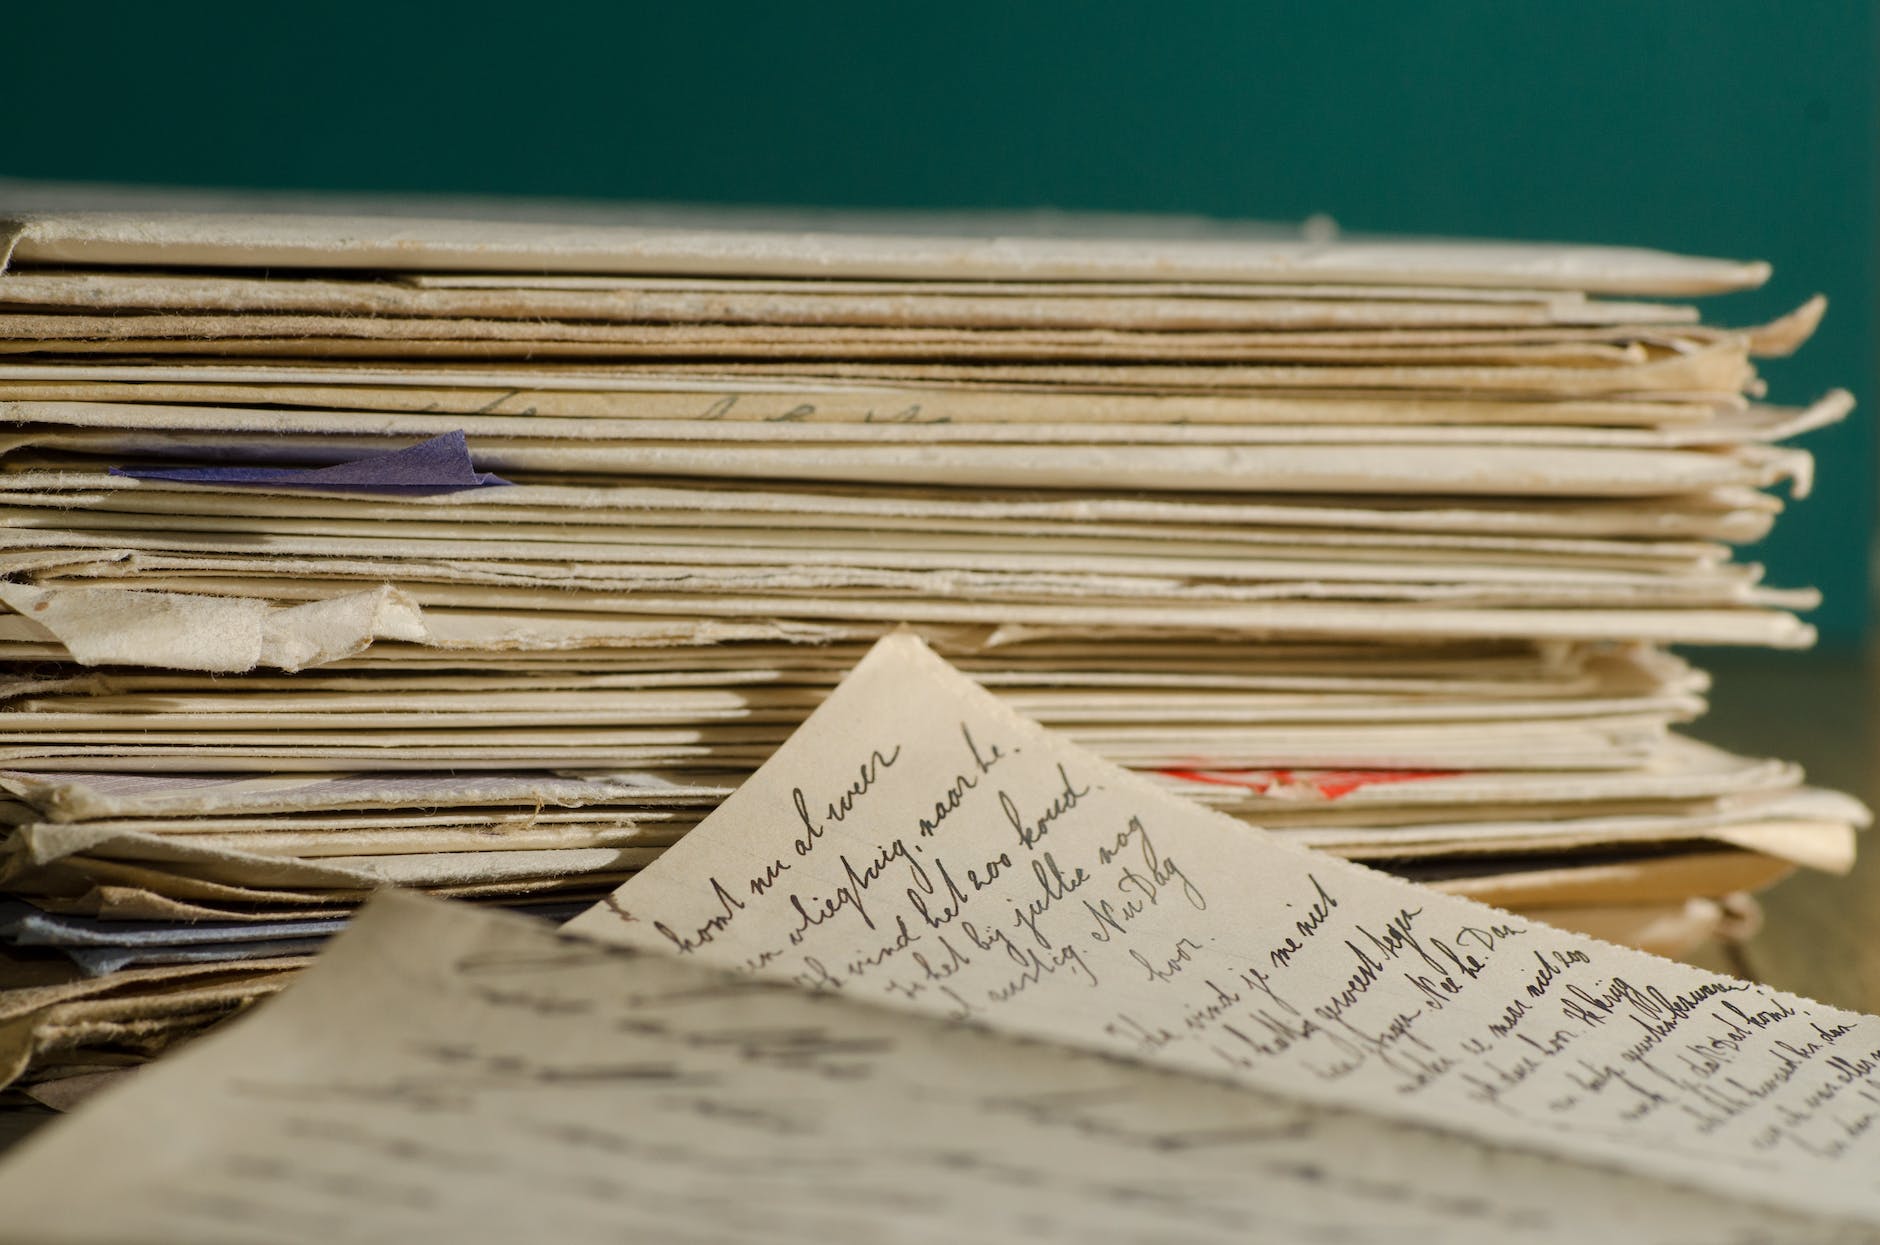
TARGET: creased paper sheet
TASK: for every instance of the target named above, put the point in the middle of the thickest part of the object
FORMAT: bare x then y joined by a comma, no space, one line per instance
657,300
1384,468
84,797
1595,346
555,390
826,513
444,1074
100,627
830,249
1753,424
919,844
478,617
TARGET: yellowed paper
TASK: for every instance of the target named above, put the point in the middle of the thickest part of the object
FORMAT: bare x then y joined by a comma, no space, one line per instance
600,393
919,845
1400,470
940,304
712,425
467,1076
203,633
489,617
1727,514
186,239
91,797
1378,343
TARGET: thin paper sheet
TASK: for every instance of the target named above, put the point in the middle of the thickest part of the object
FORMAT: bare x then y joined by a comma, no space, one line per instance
958,860
185,239
449,1073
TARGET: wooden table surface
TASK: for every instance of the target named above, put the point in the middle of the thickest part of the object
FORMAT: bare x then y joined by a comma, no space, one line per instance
1822,935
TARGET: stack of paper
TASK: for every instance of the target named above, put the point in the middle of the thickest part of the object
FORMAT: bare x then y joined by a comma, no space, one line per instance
486,559
1182,1029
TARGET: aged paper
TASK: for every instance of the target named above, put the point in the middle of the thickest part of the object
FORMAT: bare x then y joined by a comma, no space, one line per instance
1375,342
1389,469
600,392
100,627
832,247
848,303
1718,513
714,423
87,797
919,844
495,618
454,1075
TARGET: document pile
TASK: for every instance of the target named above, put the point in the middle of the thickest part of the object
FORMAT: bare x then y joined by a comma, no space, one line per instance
486,559
1293,1047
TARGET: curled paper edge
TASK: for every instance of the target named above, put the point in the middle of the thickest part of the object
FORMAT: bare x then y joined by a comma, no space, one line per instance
229,635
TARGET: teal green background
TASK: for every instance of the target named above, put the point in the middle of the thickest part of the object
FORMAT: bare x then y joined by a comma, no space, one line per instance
1728,127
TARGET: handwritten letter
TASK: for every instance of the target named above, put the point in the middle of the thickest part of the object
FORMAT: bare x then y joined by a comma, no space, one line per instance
920,845
454,1075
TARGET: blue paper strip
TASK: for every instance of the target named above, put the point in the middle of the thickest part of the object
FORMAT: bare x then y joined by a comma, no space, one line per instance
23,924
98,961
440,465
